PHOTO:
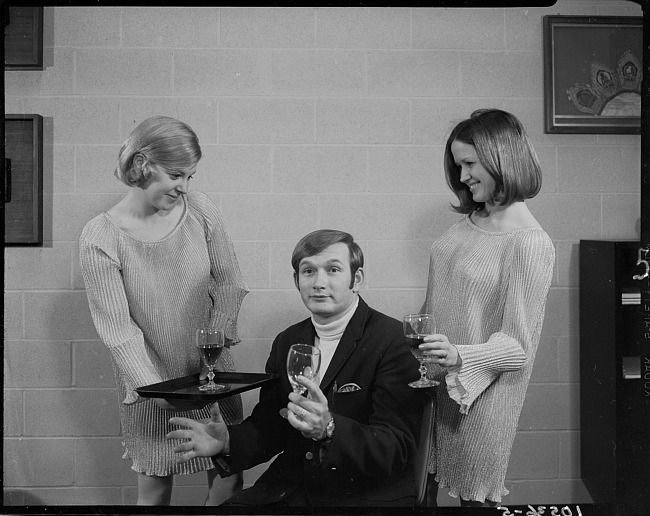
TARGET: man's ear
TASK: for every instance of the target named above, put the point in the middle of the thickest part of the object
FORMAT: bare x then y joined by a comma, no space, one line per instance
296,280
359,276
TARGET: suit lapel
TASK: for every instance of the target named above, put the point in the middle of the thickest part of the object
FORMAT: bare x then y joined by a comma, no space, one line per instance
348,343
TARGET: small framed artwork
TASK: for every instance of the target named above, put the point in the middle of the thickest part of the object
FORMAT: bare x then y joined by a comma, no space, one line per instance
22,185
593,69
23,33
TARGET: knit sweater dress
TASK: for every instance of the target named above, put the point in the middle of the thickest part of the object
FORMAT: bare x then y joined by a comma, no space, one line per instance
146,299
487,292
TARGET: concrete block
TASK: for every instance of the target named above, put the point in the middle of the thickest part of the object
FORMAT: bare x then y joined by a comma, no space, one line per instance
318,73
56,79
569,454
559,492
568,216
39,269
262,120
281,269
251,354
546,366
107,452
200,113
182,26
89,178
561,316
447,29
92,365
58,315
267,313
12,420
38,462
523,29
395,302
86,26
124,71
320,169
501,71
370,121
569,358
535,455
621,216
551,407
254,263
389,216
567,253
235,168
60,159
236,72
258,217
407,169
363,28
432,120
13,315
72,212
414,73
397,263
75,118
599,169
37,364
68,412
275,27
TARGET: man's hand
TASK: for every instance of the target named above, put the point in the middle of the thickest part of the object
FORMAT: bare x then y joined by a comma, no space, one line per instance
202,438
309,414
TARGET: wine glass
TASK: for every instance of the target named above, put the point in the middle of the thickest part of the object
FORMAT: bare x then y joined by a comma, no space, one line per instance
304,360
416,327
210,342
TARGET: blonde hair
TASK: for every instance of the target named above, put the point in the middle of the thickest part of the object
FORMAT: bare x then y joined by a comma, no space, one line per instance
162,141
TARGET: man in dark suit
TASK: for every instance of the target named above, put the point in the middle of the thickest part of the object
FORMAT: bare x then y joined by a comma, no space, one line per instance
352,439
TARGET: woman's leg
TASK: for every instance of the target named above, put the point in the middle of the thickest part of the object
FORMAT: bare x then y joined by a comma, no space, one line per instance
220,489
153,490
432,491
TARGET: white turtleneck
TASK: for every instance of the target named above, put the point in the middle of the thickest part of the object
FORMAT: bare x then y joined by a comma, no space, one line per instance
329,334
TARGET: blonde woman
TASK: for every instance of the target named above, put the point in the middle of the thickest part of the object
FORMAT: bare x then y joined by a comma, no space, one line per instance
157,265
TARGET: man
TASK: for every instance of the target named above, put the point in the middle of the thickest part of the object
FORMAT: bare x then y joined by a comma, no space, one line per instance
351,441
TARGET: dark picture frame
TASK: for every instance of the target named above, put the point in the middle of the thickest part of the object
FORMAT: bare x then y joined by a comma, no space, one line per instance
593,70
22,182
23,37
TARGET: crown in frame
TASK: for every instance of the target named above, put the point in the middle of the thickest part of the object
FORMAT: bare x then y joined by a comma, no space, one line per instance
611,92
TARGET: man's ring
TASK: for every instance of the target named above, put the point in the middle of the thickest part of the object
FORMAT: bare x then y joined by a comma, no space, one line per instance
302,414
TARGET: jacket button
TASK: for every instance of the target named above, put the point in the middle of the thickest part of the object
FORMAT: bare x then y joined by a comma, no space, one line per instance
309,455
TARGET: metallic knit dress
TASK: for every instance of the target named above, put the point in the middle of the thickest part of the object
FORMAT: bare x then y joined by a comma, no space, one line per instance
487,291
146,299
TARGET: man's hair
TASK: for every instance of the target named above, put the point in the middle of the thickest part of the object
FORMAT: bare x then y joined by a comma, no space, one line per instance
505,151
317,241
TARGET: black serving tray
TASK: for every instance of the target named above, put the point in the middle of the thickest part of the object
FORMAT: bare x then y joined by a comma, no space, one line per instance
187,387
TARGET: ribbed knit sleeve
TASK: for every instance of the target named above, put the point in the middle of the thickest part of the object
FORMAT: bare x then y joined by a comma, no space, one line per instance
529,265
110,310
227,285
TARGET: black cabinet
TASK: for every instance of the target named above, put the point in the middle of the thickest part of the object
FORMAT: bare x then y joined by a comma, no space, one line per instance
614,405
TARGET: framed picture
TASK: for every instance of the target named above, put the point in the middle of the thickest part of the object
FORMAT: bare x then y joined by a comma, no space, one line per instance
22,185
593,68
23,37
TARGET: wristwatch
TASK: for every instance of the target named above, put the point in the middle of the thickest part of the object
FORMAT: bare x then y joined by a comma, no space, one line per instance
329,430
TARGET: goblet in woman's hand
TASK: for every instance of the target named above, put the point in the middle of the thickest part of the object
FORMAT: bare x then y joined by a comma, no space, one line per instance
210,343
416,327
302,360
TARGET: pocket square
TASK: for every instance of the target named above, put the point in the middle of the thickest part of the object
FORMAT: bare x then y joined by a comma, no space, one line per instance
349,387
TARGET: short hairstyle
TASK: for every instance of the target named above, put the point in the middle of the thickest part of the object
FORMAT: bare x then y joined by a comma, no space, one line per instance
317,241
163,141
505,151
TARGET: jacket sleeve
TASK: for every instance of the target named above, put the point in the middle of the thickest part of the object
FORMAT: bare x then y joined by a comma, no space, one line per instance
110,313
515,344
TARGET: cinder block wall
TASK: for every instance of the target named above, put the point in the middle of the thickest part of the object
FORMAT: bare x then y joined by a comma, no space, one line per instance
328,117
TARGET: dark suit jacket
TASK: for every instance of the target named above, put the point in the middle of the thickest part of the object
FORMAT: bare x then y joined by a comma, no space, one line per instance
369,462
